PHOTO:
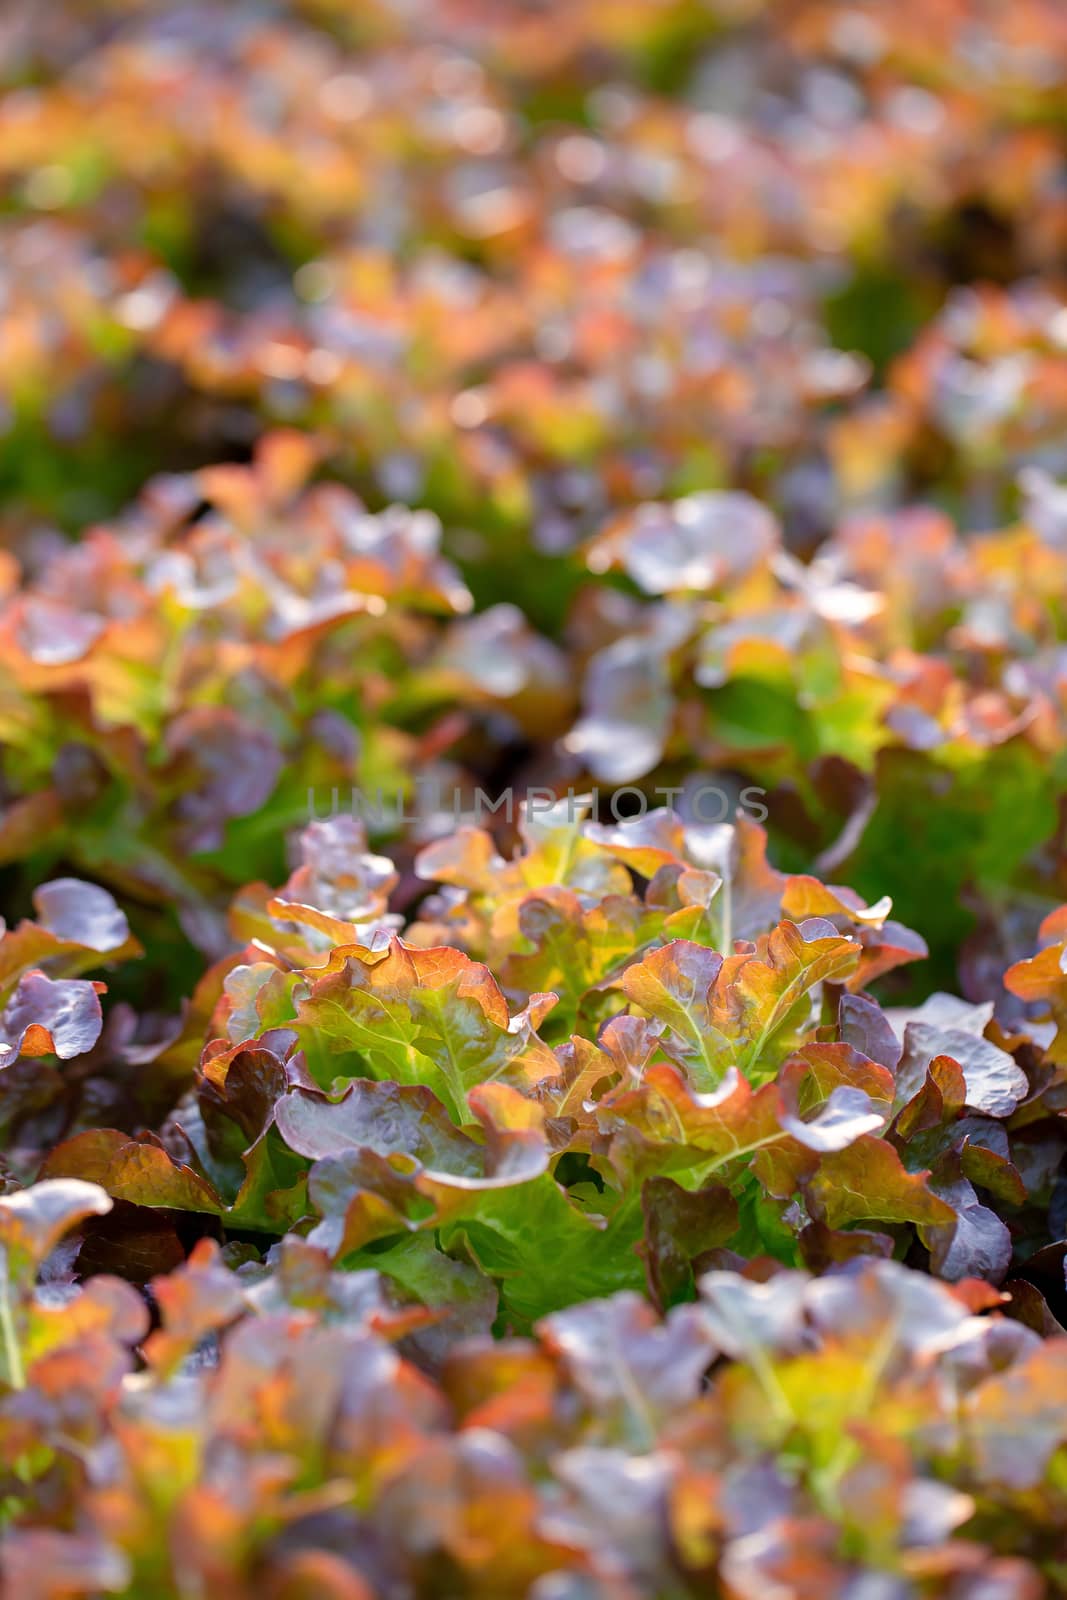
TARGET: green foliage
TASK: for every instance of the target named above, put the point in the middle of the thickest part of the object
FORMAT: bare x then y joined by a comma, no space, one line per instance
650,411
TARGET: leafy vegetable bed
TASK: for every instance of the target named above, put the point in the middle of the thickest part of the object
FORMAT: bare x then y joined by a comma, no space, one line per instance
533,710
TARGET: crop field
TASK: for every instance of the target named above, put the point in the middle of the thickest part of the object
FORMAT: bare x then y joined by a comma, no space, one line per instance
533,800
